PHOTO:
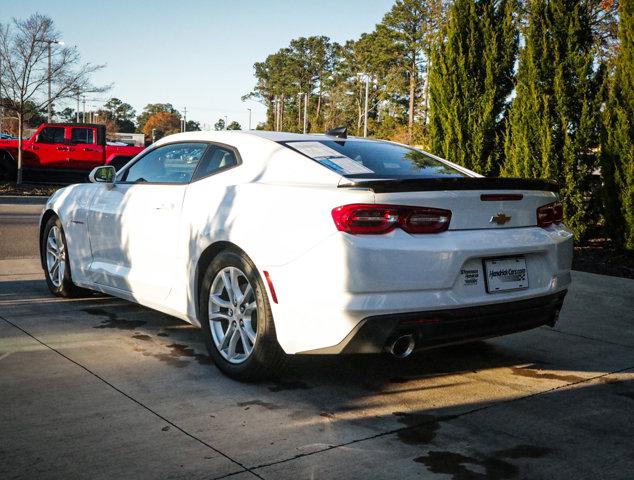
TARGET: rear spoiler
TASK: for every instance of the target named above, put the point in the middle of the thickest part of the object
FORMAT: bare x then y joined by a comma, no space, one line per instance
386,185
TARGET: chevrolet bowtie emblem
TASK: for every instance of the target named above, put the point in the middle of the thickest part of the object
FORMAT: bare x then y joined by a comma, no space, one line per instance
500,219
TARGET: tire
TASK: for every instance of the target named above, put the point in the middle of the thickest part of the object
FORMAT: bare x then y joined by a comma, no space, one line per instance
234,321
8,168
58,278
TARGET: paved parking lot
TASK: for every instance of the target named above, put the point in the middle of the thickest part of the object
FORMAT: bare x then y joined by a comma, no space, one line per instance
101,388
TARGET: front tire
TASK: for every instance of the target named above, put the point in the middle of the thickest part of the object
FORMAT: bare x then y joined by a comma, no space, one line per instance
56,263
236,319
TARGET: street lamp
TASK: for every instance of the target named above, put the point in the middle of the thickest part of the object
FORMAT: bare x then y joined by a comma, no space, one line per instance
226,123
249,118
49,42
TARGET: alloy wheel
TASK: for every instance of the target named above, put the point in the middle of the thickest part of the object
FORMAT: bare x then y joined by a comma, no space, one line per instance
233,314
55,256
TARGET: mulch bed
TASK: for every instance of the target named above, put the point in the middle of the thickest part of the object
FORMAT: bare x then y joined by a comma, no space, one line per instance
598,256
28,189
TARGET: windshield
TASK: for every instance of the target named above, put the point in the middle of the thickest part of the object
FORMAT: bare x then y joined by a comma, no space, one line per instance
372,159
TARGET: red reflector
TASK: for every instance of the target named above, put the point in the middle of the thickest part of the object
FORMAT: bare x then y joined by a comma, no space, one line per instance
271,288
499,197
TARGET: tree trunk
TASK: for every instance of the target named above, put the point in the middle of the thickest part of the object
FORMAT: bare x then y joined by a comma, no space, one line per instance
426,93
412,99
20,133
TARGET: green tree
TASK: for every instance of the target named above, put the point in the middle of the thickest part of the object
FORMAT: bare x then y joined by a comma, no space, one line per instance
122,114
219,125
413,25
552,124
234,126
470,81
617,139
192,126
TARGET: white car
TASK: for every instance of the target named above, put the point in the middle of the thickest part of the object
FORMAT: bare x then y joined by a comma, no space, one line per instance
279,243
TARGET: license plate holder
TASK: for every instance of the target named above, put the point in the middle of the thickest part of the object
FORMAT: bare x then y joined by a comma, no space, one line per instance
505,274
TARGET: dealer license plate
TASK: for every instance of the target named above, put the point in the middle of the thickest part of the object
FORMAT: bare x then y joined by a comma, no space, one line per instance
504,274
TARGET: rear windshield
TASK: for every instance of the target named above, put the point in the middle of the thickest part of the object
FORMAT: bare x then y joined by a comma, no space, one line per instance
372,159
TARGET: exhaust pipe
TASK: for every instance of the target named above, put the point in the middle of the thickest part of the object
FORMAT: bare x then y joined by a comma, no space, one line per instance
401,347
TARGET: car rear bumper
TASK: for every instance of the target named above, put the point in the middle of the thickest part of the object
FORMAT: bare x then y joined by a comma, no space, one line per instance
444,327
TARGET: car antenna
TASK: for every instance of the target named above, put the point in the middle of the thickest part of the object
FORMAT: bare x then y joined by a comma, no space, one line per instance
339,132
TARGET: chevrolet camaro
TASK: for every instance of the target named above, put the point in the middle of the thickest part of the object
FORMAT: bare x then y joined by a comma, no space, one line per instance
278,243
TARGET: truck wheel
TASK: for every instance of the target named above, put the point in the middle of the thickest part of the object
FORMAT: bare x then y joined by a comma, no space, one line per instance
8,169
236,319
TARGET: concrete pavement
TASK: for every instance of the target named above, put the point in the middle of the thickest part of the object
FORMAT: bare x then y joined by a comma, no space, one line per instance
101,388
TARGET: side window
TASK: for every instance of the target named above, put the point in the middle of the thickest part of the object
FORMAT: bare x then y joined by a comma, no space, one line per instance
167,164
51,135
216,159
82,135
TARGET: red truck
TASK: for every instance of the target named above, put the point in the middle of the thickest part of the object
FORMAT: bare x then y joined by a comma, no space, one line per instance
61,151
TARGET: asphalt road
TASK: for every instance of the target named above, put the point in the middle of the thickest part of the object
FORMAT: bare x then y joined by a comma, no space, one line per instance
102,388
18,230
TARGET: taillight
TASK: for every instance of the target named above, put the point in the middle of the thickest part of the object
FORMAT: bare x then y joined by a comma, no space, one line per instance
373,219
549,214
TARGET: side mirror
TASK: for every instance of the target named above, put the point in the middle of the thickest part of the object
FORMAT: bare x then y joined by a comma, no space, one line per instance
104,174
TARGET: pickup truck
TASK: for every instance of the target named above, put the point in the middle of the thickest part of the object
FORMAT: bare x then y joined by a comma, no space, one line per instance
59,151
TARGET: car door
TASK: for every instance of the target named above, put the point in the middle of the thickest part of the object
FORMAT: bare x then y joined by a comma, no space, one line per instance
49,149
85,153
134,225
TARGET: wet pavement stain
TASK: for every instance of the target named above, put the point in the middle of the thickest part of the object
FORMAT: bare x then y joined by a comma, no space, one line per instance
462,467
142,336
259,403
420,428
113,320
532,373
282,385
180,350
173,358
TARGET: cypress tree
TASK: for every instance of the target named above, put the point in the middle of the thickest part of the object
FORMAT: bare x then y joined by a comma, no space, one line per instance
470,81
552,122
617,142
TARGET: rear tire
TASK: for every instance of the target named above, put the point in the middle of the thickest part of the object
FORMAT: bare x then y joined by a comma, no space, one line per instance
237,322
56,262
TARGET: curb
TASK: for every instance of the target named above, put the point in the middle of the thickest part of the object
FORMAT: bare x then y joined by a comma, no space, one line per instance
22,200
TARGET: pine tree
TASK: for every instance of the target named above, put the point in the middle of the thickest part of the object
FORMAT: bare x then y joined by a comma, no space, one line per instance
470,81
617,142
552,123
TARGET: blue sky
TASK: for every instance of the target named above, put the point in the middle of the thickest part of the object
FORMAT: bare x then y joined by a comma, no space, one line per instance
198,54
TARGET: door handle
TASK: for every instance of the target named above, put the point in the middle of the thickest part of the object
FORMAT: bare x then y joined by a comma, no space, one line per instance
65,149
90,149
33,147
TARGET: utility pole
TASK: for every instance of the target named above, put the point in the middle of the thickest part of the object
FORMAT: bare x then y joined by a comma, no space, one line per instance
365,114
84,115
184,119
49,42
77,111
226,123
249,118
306,113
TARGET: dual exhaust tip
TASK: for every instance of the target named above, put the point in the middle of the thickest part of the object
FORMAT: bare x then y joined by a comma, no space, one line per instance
402,346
